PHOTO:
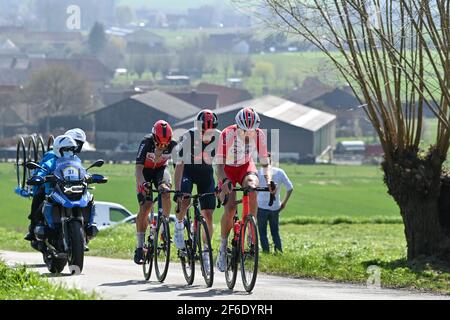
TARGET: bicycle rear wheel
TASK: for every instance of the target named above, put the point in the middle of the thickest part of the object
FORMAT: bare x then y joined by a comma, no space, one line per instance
50,140
186,255
249,253
32,155
147,266
162,249
205,251
40,148
21,159
232,257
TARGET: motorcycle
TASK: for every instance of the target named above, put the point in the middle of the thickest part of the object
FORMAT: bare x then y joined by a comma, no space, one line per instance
68,214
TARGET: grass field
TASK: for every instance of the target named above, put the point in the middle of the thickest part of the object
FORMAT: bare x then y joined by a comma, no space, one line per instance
281,69
319,191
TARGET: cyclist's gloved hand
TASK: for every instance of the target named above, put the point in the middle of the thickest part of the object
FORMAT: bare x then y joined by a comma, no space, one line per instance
163,188
35,181
142,188
225,186
147,186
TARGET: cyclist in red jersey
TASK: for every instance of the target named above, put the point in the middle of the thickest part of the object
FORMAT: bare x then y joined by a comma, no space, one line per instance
237,146
151,167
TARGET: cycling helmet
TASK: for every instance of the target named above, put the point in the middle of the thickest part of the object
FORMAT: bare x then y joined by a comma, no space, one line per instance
247,119
208,119
64,146
79,136
162,132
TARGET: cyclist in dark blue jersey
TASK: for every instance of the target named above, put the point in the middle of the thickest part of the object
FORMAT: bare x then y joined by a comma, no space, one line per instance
196,151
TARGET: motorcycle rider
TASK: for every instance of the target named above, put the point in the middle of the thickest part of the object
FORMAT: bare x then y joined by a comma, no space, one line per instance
48,162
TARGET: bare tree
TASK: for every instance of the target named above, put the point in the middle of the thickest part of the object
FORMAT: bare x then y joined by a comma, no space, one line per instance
57,90
396,57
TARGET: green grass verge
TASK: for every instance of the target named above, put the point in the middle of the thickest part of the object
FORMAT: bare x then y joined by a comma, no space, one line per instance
344,252
337,252
20,284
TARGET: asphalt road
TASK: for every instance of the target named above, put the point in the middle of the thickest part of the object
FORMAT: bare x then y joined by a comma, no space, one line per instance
122,279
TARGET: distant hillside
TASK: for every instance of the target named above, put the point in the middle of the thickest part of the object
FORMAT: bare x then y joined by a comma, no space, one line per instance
170,4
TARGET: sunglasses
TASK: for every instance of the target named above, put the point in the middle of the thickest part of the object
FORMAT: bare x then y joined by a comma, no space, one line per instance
162,145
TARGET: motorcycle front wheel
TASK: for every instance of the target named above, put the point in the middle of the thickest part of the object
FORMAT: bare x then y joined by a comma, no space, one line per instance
76,250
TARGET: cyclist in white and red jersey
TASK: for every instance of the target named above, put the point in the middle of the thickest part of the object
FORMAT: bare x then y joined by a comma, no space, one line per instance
152,158
237,146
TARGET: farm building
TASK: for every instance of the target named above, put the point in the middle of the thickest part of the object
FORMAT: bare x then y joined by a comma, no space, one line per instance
304,133
144,42
227,95
10,121
351,147
198,99
127,121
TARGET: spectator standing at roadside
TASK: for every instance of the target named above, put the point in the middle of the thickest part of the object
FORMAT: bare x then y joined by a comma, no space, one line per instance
271,215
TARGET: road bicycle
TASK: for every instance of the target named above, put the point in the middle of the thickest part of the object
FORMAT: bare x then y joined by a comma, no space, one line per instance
242,245
197,242
157,248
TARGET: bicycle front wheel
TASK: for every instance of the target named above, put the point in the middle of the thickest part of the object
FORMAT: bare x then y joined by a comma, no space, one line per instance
205,252
40,148
50,140
147,266
32,154
21,159
249,253
232,257
186,255
162,249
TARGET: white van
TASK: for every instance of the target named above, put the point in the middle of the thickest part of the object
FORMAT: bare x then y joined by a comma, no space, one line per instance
108,214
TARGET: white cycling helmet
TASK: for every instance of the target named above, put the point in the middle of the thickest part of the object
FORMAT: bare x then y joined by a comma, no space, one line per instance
79,136
64,146
247,119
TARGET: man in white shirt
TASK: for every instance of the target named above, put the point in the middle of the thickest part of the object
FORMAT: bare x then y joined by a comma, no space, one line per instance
271,215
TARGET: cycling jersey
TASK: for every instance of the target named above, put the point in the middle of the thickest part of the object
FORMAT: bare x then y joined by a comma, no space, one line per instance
197,156
196,153
147,153
236,150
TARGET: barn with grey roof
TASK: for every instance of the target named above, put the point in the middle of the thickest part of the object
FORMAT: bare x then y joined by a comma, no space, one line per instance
127,121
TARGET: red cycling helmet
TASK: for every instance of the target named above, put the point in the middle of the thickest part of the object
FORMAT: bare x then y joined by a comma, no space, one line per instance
208,119
162,132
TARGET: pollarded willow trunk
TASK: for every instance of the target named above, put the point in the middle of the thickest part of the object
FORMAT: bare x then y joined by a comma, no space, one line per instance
415,185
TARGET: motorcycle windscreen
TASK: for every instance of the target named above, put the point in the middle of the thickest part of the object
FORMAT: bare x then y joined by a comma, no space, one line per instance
70,169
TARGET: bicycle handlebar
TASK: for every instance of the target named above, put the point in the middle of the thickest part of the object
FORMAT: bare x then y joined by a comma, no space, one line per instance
259,189
196,196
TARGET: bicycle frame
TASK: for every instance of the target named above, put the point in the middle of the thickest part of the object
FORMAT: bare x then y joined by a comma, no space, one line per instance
239,250
151,245
245,213
196,239
197,213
